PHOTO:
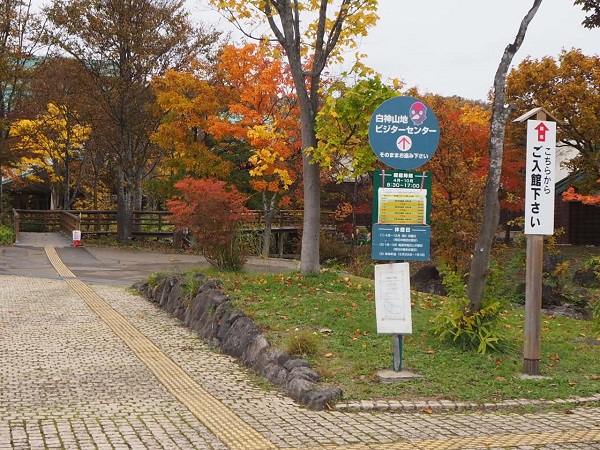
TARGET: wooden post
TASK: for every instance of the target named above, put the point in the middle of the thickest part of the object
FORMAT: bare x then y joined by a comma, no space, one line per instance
533,304
533,297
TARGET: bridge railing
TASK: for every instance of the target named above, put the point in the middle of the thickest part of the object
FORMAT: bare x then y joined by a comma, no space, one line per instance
145,223
69,222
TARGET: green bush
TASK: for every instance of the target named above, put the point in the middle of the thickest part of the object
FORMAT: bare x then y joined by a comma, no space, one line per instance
191,283
471,330
6,235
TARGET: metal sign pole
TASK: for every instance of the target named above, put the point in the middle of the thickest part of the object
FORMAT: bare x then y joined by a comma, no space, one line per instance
398,352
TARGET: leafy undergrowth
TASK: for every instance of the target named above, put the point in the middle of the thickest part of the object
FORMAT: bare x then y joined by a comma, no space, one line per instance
340,311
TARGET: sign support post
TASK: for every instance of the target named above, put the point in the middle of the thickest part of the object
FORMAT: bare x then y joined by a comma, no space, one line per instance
539,222
398,340
533,304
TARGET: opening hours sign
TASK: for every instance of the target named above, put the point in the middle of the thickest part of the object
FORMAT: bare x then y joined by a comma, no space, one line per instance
540,177
401,213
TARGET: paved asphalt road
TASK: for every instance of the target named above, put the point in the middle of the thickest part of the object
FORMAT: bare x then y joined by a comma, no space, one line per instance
108,265
86,364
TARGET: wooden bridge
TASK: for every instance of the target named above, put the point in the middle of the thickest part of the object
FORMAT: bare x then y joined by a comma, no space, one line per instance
147,223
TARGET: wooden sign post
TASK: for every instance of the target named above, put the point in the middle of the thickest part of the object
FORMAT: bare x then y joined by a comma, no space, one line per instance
539,222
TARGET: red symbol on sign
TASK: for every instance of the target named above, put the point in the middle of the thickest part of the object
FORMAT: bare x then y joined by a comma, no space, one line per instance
541,129
404,143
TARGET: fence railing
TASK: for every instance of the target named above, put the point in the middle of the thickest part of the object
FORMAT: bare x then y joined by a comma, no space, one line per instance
151,223
32,220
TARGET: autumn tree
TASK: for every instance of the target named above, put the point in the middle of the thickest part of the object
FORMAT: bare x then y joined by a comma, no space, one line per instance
55,138
312,35
343,150
480,263
122,45
186,99
458,169
19,32
60,82
568,87
263,111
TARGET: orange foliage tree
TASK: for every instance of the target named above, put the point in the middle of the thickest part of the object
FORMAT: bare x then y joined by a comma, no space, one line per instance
459,170
262,111
568,87
214,212
185,99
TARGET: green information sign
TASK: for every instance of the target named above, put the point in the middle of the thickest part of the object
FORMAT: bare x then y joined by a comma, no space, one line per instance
401,197
401,215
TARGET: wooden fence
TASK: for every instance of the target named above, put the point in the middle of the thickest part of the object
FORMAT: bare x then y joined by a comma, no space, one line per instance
145,223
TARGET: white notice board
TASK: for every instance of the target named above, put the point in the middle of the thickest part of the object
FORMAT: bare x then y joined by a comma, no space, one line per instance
392,298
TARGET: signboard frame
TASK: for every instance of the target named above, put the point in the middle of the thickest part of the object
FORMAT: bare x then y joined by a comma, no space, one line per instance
392,299
540,174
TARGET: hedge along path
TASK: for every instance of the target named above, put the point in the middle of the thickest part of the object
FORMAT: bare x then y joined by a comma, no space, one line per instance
219,419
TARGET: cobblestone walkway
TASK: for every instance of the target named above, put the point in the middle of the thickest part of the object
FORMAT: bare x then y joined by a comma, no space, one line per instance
97,367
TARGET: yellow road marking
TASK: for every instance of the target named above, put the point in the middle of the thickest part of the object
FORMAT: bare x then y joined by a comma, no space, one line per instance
219,419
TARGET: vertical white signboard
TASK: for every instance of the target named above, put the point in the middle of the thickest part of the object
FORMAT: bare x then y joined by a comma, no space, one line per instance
540,177
392,298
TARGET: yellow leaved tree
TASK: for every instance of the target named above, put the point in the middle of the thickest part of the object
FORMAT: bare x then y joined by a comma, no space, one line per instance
186,100
55,140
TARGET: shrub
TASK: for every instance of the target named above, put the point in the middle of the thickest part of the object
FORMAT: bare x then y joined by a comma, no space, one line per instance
214,212
333,249
471,330
302,343
6,235
192,281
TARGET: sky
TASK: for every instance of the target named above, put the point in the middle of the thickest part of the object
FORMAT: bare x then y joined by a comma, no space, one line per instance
453,47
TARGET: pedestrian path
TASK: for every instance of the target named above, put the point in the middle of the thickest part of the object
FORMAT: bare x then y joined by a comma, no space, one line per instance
94,366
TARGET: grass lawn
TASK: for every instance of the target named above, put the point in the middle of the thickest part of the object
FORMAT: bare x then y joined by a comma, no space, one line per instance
337,311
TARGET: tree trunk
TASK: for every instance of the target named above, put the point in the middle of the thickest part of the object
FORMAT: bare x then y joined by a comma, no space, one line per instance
124,213
269,213
311,226
480,263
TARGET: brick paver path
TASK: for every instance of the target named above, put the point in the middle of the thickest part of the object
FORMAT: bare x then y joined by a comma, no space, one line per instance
97,367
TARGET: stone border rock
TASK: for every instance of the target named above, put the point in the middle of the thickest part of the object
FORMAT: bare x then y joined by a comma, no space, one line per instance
210,314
